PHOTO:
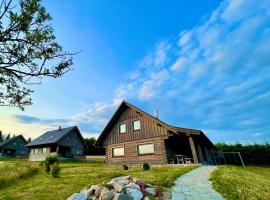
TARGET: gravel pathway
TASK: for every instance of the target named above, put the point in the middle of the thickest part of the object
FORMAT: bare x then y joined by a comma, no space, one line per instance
195,185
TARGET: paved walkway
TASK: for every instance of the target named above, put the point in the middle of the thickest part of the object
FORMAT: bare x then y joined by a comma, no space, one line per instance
195,185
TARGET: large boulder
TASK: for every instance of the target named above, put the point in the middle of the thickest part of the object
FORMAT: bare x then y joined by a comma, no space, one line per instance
98,191
166,196
106,194
135,194
78,196
140,183
151,191
118,186
133,185
120,196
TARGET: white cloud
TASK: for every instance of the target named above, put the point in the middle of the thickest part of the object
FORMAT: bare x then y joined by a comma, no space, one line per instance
220,72
151,86
215,77
97,116
158,57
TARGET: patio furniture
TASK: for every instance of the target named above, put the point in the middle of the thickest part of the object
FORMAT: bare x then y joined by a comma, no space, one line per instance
188,160
180,159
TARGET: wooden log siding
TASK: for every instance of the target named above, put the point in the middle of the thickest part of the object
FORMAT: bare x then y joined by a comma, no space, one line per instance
149,128
132,155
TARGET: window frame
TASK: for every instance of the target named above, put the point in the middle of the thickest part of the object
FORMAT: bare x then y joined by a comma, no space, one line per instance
133,125
119,128
118,147
145,143
46,150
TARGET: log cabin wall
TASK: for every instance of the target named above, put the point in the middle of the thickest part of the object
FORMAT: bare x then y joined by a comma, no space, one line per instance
131,155
150,131
149,128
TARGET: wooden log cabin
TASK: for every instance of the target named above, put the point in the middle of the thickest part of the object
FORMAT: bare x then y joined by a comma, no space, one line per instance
63,142
133,137
14,147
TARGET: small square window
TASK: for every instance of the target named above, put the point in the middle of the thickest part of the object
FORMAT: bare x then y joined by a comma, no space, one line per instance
122,128
136,125
147,148
118,151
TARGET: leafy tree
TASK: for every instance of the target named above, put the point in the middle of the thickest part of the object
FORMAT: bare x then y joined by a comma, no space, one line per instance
92,149
29,140
28,51
251,153
1,137
8,136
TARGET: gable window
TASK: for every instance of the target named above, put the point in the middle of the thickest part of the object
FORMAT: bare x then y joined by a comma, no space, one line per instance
136,125
122,128
147,148
118,151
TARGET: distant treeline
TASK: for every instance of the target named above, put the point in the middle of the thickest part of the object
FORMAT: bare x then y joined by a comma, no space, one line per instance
92,149
251,154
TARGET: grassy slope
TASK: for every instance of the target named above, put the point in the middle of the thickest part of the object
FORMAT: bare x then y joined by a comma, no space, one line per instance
242,183
75,176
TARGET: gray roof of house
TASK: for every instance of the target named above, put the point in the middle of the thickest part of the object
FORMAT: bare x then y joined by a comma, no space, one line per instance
51,137
10,140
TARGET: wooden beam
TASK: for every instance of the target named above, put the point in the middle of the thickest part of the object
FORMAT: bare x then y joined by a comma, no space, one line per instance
200,153
193,149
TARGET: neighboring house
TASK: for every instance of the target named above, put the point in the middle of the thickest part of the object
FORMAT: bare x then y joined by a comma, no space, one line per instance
13,147
134,137
63,142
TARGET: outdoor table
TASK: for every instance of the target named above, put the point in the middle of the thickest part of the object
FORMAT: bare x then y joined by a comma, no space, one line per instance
180,159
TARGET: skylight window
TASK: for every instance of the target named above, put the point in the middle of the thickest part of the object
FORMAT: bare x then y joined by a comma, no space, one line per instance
41,139
52,137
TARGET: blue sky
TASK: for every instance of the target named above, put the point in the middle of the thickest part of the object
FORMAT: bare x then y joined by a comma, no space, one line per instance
203,65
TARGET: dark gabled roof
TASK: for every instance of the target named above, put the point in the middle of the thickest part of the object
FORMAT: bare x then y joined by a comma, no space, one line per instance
2,144
125,104
55,136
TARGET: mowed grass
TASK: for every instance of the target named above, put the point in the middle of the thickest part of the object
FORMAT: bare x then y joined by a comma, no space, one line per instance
233,182
77,175
13,170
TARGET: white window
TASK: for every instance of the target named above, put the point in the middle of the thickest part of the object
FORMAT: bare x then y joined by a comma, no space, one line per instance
39,151
118,151
136,125
44,150
122,128
35,151
147,148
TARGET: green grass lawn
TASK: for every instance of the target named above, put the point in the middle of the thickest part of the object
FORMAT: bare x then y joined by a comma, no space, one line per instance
233,182
75,176
12,170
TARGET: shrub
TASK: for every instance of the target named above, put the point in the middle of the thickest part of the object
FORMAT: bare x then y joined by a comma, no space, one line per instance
125,167
146,166
50,160
251,153
55,169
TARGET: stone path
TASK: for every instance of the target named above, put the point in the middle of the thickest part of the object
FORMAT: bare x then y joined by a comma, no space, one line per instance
195,185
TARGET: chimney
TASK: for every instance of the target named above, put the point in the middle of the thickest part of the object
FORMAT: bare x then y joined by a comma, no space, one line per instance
60,128
155,114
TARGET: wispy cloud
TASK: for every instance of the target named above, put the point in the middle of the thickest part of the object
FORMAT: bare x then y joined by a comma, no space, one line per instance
214,77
